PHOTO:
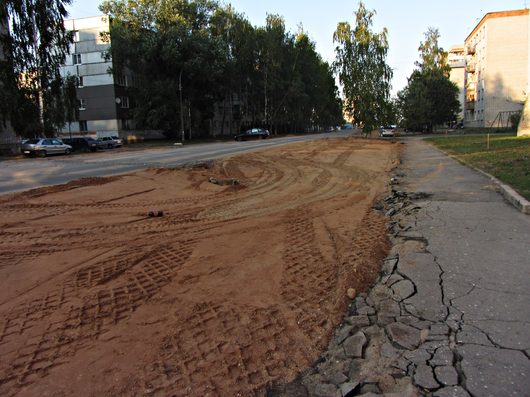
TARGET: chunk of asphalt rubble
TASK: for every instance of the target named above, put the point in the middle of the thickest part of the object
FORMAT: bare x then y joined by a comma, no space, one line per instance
442,356
353,346
446,375
348,389
358,321
223,182
424,378
403,335
390,212
324,390
389,265
404,289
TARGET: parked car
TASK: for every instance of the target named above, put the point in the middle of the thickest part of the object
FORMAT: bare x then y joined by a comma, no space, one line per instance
44,146
84,144
118,141
108,142
253,133
388,131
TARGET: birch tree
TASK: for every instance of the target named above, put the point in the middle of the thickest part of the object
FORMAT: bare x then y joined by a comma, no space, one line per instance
362,70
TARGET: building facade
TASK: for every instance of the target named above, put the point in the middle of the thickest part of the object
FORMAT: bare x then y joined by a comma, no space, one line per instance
497,68
103,97
456,58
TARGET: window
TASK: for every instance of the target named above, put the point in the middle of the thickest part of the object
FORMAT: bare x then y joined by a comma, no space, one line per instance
75,35
122,80
82,104
80,81
76,59
124,102
83,126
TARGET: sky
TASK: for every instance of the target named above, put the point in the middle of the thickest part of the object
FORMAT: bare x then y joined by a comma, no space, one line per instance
406,21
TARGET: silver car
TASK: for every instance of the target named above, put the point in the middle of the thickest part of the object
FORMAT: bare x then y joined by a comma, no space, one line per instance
44,146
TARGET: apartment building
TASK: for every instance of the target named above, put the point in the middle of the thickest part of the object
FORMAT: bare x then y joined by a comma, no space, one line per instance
456,58
497,68
104,101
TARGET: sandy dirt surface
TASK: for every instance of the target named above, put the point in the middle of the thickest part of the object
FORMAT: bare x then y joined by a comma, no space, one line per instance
235,287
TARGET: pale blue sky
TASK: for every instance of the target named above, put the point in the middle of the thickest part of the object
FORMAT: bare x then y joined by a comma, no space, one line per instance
406,21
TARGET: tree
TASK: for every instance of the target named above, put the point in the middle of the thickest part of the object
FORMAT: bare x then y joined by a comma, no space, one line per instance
252,76
430,98
432,56
71,103
170,50
363,71
35,45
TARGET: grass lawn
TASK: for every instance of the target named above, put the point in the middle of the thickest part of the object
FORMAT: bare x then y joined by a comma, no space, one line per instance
508,157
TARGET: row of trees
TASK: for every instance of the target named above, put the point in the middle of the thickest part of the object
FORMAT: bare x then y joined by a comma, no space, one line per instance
188,56
33,44
429,99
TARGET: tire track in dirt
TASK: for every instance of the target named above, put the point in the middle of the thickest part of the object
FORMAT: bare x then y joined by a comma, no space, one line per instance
123,286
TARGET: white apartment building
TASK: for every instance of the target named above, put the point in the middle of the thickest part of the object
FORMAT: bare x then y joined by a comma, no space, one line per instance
103,99
497,68
456,59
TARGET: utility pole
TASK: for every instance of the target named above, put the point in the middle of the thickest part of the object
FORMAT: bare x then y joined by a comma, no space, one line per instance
181,109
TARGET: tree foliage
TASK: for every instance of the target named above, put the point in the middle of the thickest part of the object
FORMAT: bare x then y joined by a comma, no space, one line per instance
430,98
363,71
221,60
432,56
34,46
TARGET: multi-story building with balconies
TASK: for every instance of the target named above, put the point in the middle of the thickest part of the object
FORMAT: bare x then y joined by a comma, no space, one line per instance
456,59
103,95
497,68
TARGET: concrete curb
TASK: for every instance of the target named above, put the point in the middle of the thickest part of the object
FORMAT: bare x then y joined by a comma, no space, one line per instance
508,192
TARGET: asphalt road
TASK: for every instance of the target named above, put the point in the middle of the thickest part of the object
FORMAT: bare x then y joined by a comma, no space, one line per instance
29,173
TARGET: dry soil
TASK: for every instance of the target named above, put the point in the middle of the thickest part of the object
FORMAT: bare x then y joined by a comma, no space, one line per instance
234,287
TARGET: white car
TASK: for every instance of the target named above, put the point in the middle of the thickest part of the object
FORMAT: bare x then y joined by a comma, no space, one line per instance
44,146
389,131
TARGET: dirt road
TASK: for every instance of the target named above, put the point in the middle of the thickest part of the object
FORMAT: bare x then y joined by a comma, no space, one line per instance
235,287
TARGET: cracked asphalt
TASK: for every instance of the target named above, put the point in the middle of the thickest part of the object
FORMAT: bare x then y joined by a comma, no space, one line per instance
449,314
473,274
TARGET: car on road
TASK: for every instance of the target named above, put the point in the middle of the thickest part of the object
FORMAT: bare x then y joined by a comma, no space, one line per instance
389,131
253,133
84,144
109,142
45,146
118,141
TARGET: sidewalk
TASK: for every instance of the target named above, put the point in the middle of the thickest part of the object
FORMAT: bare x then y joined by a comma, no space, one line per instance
450,314
471,273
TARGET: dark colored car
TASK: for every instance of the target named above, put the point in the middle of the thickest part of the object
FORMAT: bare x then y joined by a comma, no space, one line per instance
44,146
85,144
253,133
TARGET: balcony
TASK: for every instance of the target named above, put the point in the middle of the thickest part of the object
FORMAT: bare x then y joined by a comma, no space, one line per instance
470,49
471,67
470,105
